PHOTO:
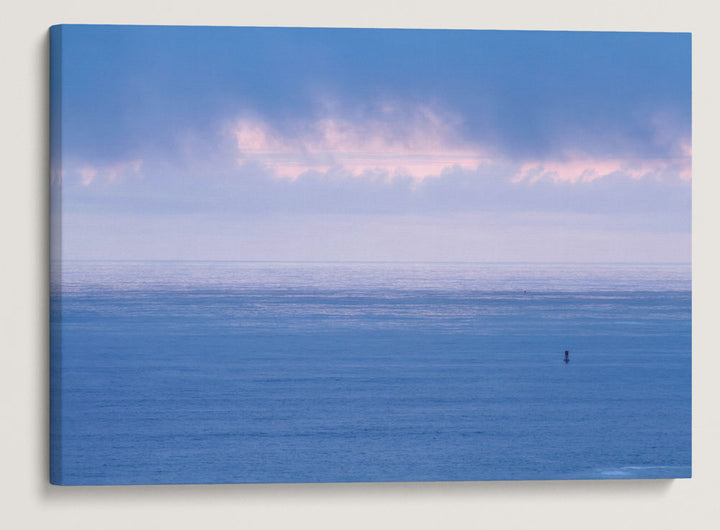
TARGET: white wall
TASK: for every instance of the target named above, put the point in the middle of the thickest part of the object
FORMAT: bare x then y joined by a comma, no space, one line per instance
28,501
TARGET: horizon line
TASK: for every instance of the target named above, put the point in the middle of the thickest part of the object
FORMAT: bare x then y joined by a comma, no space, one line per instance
448,262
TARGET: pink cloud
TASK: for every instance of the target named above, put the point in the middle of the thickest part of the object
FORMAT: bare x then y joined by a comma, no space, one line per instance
115,171
87,174
90,173
420,146
420,143
583,169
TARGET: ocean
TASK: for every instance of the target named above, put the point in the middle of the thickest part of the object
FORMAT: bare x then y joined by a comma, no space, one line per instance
242,372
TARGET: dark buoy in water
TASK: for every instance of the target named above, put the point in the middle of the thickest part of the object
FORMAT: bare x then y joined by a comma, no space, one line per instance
567,356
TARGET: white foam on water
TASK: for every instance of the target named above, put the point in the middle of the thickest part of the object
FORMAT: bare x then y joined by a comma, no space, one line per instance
646,472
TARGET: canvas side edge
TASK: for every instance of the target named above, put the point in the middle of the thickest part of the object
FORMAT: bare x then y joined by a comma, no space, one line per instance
55,316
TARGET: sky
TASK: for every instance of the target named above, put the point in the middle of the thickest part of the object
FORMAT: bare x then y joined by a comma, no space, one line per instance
372,145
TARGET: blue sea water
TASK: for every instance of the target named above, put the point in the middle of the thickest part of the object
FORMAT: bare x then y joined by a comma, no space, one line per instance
216,372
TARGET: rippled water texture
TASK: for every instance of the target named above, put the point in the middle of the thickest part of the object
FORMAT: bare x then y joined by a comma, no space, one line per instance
207,372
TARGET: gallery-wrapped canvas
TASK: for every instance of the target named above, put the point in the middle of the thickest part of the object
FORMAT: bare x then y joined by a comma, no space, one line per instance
333,255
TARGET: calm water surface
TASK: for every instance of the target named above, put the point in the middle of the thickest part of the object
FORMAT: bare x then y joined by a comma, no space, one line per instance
209,372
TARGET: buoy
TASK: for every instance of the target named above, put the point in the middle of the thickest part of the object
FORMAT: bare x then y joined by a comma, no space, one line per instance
567,356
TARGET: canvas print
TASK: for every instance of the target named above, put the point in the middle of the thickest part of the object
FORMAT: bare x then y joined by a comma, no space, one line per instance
361,255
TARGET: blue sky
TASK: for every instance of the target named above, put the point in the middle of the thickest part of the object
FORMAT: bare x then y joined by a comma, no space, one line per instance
315,144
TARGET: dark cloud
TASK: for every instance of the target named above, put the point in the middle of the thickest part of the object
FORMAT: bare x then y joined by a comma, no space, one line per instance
527,94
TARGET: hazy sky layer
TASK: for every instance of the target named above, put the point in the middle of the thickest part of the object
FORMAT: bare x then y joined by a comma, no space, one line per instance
333,144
